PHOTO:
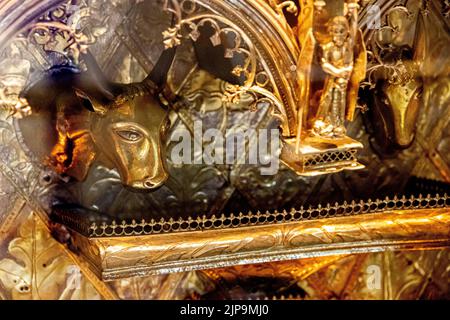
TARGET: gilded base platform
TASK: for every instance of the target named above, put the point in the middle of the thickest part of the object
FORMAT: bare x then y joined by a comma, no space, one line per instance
122,257
317,156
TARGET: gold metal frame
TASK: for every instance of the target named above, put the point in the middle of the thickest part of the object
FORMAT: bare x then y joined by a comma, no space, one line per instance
390,224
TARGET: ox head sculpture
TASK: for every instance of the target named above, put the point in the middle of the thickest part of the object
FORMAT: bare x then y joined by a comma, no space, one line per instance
122,125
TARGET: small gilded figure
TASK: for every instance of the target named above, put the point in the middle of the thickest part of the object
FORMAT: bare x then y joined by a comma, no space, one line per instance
330,67
341,56
336,61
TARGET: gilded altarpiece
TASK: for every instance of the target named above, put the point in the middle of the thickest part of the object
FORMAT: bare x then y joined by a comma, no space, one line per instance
358,90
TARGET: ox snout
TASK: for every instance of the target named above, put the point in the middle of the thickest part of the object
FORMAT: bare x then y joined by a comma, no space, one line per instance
153,183
150,183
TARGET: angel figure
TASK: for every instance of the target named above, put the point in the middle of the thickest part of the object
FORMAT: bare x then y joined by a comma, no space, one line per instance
342,60
336,60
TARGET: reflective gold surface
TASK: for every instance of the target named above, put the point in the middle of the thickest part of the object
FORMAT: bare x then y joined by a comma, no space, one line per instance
404,130
122,257
331,65
94,118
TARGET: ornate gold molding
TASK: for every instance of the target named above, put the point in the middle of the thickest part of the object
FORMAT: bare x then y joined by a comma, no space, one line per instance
121,257
79,221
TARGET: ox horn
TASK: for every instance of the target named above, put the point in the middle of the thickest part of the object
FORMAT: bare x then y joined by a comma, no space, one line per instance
96,92
158,76
155,82
95,71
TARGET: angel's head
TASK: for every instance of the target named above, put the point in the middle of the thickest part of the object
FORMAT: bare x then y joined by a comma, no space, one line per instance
339,29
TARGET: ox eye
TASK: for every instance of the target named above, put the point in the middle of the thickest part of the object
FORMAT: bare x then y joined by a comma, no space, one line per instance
129,135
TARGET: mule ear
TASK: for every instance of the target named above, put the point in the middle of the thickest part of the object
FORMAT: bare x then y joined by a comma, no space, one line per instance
420,41
90,103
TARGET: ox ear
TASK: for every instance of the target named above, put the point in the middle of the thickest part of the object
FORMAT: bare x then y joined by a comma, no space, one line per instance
158,76
91,103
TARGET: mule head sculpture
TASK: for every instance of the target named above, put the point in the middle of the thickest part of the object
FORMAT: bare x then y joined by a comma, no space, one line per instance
121,125
395,103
